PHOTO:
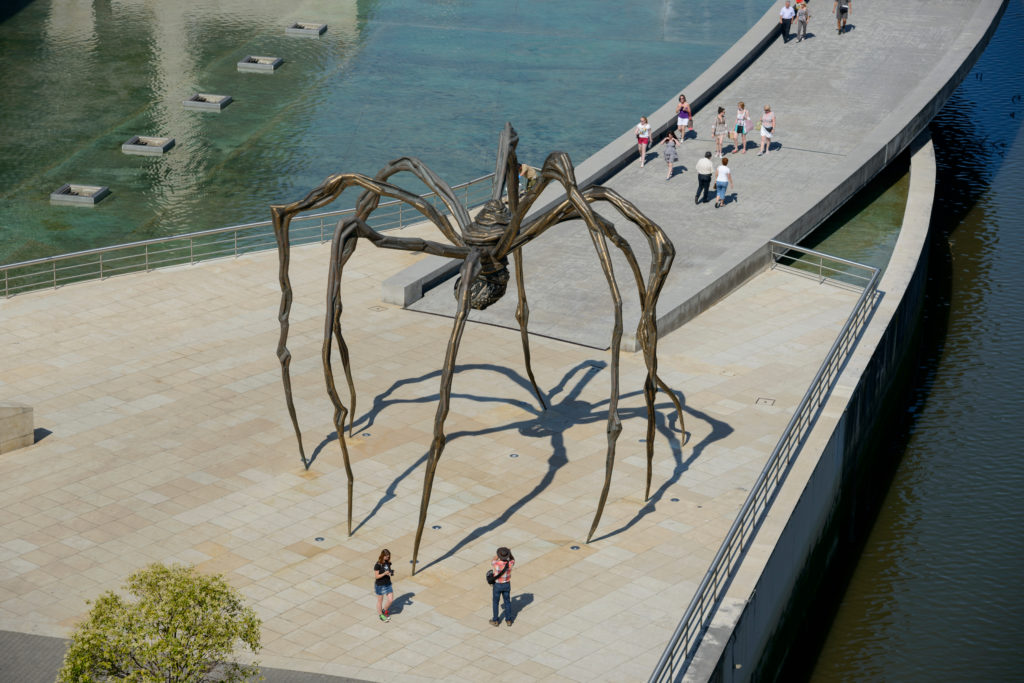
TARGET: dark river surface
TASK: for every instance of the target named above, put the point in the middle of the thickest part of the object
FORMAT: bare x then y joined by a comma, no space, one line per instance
937,592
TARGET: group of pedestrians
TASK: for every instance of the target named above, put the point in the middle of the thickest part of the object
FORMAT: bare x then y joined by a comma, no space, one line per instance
737,133
799,13
499,576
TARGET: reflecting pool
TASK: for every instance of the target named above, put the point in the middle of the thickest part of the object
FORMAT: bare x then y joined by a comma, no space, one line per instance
389,78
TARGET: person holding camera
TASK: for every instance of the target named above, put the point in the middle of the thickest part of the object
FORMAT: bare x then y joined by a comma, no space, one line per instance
502,565
382,573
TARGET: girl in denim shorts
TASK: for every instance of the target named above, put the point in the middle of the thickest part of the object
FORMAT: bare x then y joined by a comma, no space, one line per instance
382,573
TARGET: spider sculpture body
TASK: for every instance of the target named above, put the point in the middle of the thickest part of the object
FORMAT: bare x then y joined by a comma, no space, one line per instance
484,245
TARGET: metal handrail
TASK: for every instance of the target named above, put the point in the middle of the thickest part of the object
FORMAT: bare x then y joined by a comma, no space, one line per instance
683,644
203,245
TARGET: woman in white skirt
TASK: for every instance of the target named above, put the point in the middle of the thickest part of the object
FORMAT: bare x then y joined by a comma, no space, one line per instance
767,129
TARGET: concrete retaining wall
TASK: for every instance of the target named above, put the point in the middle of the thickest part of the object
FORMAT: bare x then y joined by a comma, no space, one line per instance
796,534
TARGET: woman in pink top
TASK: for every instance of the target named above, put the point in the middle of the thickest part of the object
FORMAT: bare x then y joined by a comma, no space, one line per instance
502,565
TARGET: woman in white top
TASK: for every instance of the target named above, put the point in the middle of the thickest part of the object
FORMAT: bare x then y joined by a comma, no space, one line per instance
643,138
767,128
742,126
723,182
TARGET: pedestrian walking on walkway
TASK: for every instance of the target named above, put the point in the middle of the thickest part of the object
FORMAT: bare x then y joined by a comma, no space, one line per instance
643,138
785,19
842,9
719,130
684,117
382,573
704,170
723,182
802,15
742,126
501,566
671,157
767,128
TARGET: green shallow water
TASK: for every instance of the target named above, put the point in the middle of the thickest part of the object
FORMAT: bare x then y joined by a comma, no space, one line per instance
435,80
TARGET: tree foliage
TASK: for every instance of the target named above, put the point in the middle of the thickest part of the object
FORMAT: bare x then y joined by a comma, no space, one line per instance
180,626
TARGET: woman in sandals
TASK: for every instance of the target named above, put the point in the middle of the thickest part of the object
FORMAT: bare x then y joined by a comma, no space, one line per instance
719,131
643,138
382,573
502,565
767,128
684,117
742,126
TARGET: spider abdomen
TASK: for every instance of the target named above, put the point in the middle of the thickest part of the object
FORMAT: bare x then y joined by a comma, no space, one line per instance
487,288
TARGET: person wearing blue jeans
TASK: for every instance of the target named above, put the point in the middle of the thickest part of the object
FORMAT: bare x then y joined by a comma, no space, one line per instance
502,565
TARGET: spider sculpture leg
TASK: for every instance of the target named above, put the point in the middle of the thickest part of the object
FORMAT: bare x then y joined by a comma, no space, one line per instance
327,192
470,269
523,317
558,168
343,244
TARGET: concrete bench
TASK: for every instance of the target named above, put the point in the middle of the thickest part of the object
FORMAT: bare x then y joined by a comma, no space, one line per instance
410,284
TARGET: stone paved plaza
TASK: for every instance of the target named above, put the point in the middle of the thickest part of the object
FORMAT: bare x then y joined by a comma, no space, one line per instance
170,442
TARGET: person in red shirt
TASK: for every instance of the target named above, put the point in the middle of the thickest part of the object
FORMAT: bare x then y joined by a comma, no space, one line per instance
502,565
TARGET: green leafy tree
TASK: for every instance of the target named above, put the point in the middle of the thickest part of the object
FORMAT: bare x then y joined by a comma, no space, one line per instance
180,626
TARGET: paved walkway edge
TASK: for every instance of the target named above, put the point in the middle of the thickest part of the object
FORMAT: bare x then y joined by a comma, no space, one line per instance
796,527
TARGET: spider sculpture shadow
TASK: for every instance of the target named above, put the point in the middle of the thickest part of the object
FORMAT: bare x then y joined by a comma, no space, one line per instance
484,245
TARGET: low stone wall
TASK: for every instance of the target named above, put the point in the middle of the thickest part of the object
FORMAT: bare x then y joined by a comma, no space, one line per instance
17,428
798,531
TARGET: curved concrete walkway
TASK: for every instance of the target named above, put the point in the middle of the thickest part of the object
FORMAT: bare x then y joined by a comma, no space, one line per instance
845,106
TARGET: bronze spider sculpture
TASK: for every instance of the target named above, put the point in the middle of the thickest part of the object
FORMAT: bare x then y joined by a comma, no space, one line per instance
484,244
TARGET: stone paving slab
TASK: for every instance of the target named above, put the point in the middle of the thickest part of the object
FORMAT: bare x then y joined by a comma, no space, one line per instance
170,442
834,110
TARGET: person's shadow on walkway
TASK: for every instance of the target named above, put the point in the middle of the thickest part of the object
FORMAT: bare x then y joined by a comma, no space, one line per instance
519,603
565,410
401,602
677,169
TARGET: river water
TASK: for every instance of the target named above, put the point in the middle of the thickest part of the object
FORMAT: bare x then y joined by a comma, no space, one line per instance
435,80
936,594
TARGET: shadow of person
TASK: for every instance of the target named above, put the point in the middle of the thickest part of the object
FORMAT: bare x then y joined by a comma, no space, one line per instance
401,602
520,601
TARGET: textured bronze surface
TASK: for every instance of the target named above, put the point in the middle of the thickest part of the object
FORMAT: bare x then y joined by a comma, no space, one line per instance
484,245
